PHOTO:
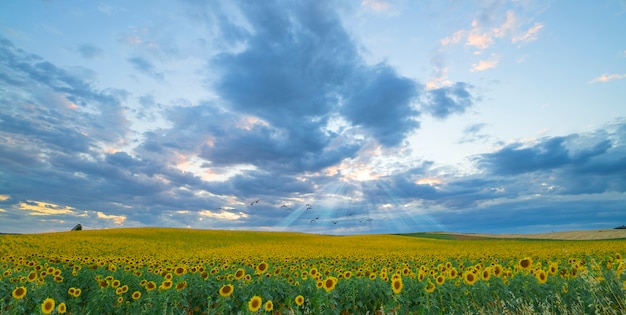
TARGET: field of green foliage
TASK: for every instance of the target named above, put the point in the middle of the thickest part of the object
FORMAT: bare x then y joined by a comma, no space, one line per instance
177,271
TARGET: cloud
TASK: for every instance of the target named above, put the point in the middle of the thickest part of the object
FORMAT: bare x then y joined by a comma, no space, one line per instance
482,35
223,215
146,67
381,102
89,51
445,101
53,106
375,5
572,164
44,208
550,153
479,39
530,35
608,77
472,133
117,219
483,65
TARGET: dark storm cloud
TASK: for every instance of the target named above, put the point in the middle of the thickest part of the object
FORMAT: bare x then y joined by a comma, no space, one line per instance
146,67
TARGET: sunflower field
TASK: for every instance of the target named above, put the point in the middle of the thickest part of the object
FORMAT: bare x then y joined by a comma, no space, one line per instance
178,271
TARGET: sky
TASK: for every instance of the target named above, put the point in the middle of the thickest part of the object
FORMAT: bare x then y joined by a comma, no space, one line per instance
331,117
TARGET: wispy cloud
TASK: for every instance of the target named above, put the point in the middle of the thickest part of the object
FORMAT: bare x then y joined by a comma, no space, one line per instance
482,37
376,5
89,51
608,77
530,35
146,67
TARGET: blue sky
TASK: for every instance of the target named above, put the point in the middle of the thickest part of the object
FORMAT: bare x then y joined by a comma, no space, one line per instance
335,117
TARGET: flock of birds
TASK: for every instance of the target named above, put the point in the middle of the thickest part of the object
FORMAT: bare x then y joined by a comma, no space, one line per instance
307,208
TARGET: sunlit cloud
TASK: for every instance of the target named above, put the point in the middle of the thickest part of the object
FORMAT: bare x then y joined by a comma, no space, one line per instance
223,215
440,80
485,64
431,181
4,197
44,208
479,40
455,38
608,77
117,219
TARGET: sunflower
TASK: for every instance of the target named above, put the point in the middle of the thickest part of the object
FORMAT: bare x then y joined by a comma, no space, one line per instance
526,263
469,277
179,271
240,273
554,267
347,274
565,288
497,270
542,276
150,286
204,275
440,279
255,303
300,299
485,275
165,285
396,285
269,306
430,287
19,292
262,267
226,290
103,284
421,275
61,309
330,283
77,292
116,283
119,291
47,306
32,276
136,295
181,285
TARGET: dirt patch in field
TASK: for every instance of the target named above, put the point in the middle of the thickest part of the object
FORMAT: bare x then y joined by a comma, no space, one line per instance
568,235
